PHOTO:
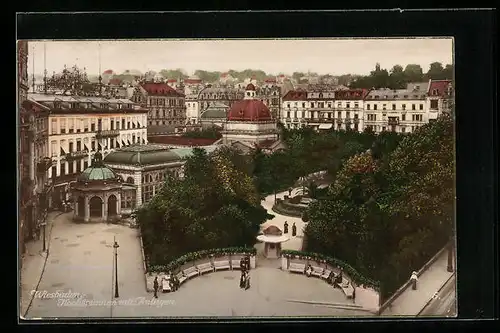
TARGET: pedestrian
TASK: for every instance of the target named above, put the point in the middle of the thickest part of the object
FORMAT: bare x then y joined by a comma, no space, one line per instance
414,279
354,294
242,264
155,287
285,227
247,262
247,281
242,279
294,229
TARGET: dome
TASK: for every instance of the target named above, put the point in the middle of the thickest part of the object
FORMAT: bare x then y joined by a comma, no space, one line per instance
249,110
97,173
109,71
250,87
272,230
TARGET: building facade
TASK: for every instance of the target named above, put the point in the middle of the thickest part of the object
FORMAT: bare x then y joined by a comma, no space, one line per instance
78,127
439,98
165,105
401,110
211,95
270,94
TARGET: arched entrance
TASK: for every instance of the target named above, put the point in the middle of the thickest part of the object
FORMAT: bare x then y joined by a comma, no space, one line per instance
81,206
95,207
112,205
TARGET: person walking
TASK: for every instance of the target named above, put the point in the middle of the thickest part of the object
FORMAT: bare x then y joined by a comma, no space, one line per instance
414,279
354,294
242,279
247,263
247,281
155,287
285,227
294,229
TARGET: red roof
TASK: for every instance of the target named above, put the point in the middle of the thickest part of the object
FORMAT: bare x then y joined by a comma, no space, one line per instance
439,86
250,87
109,71
282,75
351,94
172,80
160,89
294,95
181,141
249,110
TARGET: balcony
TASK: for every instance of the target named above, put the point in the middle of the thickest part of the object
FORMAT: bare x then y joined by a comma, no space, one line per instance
393,121
76,155
107,134
44,164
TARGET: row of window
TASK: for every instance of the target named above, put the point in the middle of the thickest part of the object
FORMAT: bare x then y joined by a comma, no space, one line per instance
403,106
414,117
165,122
162,101
72,125
158,177
329,115
76,145
322,105
169,114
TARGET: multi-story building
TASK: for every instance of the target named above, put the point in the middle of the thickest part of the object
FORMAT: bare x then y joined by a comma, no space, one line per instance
401,110
211,95
349,109
439,98
80,126
166,106
270,94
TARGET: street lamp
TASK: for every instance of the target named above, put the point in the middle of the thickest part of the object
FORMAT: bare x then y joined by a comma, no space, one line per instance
115,247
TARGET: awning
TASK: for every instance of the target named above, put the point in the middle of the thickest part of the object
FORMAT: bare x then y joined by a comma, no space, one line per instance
273,239
85,146
62,151
325,126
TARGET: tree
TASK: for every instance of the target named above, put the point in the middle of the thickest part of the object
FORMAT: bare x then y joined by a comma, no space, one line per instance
380,77
436,71
397,78
414,73
214,205
448,72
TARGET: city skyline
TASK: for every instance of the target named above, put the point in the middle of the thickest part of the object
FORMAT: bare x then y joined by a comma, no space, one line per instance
323,56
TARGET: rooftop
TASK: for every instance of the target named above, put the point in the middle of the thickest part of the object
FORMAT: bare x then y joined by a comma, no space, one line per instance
180,140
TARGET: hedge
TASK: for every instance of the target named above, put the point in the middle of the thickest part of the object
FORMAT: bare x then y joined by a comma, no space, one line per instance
192,256
349,270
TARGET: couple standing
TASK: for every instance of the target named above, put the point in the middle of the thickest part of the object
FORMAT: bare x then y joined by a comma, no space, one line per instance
245,280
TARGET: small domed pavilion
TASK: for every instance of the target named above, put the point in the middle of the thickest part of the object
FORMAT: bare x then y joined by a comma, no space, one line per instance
97,193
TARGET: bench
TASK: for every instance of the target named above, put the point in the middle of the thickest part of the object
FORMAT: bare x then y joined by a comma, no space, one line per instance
181,277
165,284
297,268
346,287
206,267
190,272
223,264
235,264
317,271
326,274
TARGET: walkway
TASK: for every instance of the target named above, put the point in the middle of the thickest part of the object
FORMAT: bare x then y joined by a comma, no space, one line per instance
81,261
295,243
411,302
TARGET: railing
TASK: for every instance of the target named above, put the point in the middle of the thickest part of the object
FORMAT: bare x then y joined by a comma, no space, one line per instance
320,120
107,133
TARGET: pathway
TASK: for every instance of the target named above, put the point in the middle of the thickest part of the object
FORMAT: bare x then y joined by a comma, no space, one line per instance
411,302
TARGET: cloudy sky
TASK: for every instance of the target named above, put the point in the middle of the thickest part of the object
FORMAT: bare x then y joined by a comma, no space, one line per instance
332,56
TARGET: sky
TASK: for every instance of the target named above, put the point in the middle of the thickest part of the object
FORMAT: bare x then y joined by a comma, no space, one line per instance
323,56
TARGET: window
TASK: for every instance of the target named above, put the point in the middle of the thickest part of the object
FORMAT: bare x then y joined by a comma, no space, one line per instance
403,117
312,104
403,106
85,125
374,106
53,129
383,128
421,106
63,168
368,106
78,146
70,168
403,129
53,148
348,105
288,105
303,104
434,104
92,125
71,125
383,106
394,106
288,114
339,114
372,117
71,146
417,117
112,124
356,105
413,107
347,114
93,145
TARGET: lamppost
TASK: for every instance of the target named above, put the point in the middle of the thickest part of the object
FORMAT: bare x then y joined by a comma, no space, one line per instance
115,247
